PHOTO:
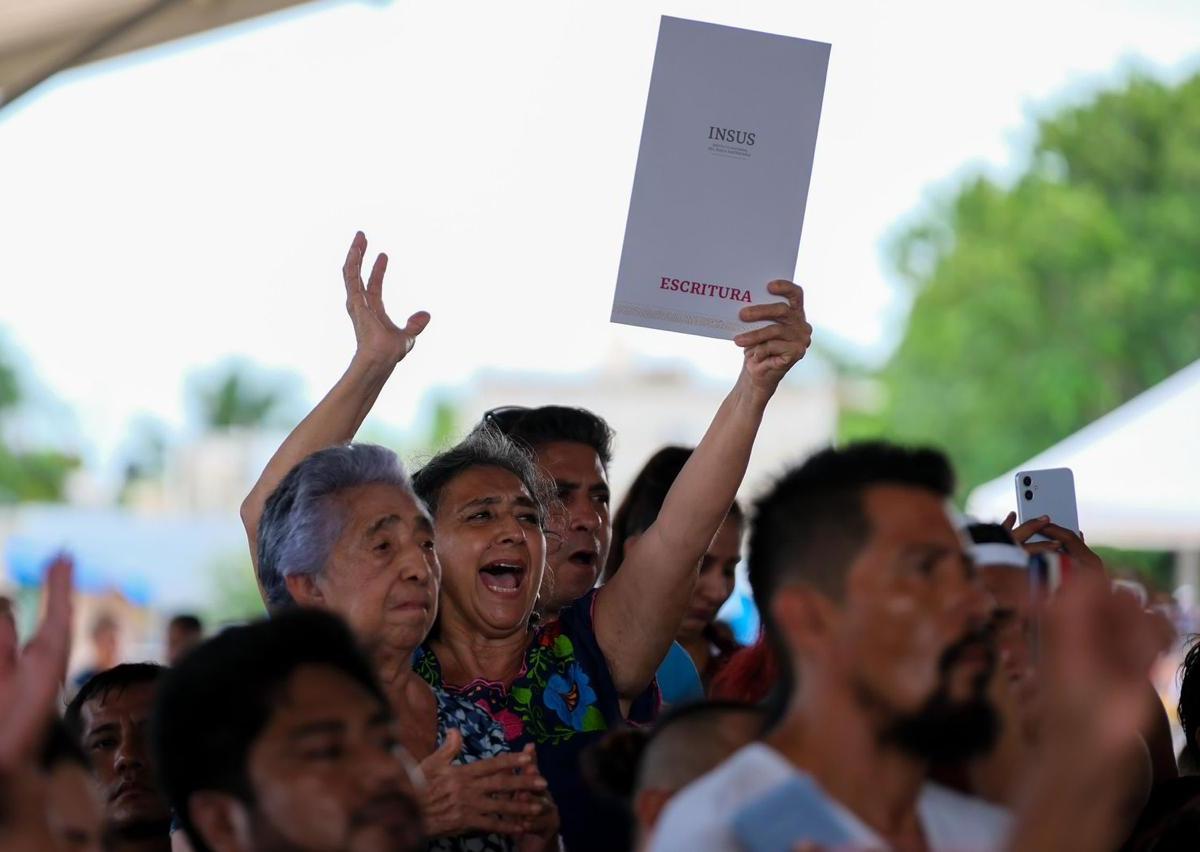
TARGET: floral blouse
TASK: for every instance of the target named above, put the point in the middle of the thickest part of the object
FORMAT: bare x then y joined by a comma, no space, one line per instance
562,700
482,738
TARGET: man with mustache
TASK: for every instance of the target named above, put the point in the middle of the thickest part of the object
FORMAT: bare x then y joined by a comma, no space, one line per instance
879,621
276,737
110,715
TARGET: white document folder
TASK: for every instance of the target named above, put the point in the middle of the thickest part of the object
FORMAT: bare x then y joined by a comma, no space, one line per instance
722,176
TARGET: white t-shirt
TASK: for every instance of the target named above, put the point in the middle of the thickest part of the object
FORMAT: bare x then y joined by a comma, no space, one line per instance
700,817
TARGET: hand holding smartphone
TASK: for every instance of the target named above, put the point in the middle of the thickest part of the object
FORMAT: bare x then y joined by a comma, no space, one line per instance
1049,493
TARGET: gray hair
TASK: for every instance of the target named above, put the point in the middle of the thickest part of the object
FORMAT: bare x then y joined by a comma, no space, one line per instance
301,521
487,446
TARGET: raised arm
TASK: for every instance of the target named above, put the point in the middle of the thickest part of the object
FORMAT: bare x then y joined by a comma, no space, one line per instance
381,345
29,683
639,611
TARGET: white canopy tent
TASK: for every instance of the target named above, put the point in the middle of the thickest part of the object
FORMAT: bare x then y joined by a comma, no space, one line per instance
39,38
1137,474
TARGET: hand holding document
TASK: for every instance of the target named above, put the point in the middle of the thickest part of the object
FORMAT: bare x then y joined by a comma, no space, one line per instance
722,176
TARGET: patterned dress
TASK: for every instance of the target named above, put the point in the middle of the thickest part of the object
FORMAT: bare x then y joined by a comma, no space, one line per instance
562,700
482,738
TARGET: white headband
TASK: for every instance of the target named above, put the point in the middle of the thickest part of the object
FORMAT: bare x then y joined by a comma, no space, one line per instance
996,553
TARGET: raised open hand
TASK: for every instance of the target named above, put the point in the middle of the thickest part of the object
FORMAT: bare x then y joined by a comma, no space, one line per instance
28,691
378,338
772,350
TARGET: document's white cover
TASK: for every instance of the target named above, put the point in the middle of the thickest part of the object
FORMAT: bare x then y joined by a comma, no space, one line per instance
722,176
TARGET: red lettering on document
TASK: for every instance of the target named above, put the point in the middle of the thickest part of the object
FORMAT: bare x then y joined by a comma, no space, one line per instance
708,291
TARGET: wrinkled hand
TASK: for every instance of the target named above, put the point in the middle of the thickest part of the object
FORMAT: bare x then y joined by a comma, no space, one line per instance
378,338
541,832
771,351
1061,540
479,797
28,691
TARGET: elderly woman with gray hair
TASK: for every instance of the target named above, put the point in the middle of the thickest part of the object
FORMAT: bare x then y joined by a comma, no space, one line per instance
555,686
341,528
345,531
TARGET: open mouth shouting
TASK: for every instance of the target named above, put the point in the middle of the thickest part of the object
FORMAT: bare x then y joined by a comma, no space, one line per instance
504,576
583,558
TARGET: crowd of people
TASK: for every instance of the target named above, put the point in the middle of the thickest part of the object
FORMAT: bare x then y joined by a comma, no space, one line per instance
479,655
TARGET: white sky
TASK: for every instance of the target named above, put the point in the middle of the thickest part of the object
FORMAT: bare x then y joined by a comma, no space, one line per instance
162,211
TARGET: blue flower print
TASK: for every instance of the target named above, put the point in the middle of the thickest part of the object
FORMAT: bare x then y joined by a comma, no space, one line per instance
570,697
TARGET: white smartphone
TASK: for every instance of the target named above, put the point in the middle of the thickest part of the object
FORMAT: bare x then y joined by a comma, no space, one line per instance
1047,492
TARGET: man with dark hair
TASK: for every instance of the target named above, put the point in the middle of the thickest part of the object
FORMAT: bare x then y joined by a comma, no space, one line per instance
864,585
574,446
184,632
1020,594
110,715
1188,710
688,742
643,769
74,812
276,736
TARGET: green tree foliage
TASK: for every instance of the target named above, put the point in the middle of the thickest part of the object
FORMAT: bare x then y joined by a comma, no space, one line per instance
445,428
1041,305
26,474
10,386
235,596
34,476
236,394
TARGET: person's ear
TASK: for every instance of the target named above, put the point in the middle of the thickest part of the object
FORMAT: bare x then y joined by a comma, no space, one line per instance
221,820
803,616
648,806
304,589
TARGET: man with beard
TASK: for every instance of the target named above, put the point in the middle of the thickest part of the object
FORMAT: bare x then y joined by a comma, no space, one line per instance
110,716
867,593
276,737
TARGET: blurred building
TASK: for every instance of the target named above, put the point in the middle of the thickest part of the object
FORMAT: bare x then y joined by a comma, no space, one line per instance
208,475
137,566
650,407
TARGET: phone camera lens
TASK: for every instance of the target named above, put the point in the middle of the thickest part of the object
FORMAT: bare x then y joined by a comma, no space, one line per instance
1028,495
1027,481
